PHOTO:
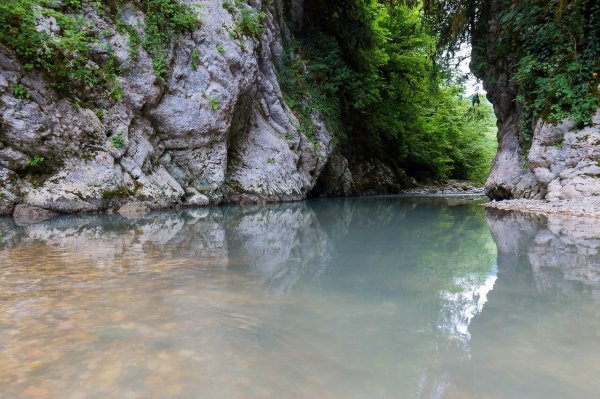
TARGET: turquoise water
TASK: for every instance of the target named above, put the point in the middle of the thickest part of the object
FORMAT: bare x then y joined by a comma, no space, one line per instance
381,297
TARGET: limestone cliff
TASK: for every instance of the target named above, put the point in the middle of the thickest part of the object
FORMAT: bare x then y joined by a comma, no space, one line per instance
214,130
563,161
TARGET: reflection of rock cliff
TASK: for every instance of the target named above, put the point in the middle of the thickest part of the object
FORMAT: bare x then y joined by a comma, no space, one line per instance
271,241
563,252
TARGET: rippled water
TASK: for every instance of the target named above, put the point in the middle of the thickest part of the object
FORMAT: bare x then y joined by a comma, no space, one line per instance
356,298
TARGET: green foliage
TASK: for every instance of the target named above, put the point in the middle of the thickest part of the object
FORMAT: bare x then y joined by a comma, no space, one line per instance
63,55
221,49
99,113
36,161
117,92
368,68
134,42
20,92
194,59
165,21
457,139
311,83
117,141
556,48
214,102
271,161
230,6
551,48
248,20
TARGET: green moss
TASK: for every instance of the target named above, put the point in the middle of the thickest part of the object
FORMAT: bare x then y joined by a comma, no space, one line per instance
36,162
100,113
116,194
117,92
117,141
20,92
214,102
194,59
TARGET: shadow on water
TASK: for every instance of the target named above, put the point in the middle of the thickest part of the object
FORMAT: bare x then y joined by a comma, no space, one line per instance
382,297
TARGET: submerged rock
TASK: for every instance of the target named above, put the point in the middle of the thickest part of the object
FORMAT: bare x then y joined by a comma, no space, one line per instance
25,214
133,209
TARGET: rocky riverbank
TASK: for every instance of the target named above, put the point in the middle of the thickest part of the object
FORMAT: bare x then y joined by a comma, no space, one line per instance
586,207
458,187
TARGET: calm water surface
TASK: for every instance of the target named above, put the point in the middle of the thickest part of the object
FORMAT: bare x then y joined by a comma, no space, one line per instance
356,298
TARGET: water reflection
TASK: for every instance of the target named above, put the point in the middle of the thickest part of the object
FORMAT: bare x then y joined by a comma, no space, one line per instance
370,298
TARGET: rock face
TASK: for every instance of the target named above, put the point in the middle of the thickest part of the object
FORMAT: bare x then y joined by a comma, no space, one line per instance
566,160
218,131
563,161
341,177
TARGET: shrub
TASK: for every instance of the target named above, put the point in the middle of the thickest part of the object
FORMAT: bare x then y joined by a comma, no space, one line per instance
36,161
214,102
117,141
248,20
20,92
194,59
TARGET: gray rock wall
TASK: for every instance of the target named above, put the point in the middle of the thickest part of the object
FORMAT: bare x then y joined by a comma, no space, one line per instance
566,160
217,133
563,161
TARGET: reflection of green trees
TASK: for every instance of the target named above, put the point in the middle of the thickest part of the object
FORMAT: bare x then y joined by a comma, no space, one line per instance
392,259
416,244
456,244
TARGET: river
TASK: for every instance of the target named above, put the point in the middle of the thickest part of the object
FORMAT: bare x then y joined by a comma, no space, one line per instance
382,297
